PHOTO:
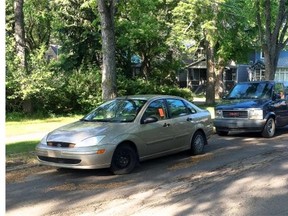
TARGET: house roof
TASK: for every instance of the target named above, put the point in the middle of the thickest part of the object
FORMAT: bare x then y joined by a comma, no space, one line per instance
257,65
200,63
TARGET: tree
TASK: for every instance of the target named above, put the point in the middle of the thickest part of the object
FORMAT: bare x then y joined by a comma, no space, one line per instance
195,20
20,33
38,18
106,10
272,22
143,28
220,28
75,27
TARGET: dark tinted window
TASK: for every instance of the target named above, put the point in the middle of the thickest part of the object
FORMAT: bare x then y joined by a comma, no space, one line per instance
177,108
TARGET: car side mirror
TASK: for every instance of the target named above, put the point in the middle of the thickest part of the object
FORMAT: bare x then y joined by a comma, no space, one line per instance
150,119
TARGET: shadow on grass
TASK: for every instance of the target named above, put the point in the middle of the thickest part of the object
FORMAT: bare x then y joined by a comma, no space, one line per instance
20,154
21,147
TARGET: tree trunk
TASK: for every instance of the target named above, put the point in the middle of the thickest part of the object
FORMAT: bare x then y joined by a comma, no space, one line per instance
219,85
210,86
273,36
20,32
106,10
271,59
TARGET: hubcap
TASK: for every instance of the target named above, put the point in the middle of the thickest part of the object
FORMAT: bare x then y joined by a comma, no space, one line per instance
122,159
198,142
270,127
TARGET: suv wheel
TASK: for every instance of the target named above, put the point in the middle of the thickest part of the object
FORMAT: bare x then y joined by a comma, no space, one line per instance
222,133
269,128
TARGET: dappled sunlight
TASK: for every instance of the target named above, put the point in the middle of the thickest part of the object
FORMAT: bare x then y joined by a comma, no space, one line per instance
237,175
191,161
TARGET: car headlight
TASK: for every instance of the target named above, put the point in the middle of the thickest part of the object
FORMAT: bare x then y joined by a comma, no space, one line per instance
218,114
44,140
256,114
91,141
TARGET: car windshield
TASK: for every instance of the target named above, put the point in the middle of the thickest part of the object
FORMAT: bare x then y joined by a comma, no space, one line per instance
118,110
260,90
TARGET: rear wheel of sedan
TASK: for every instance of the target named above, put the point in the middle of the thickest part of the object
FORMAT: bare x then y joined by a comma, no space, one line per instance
198,142
124,160
269,128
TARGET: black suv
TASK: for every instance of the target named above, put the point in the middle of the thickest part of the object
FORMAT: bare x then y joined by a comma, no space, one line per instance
253,106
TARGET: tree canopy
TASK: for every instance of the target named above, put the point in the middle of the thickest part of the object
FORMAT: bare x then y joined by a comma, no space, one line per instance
96,40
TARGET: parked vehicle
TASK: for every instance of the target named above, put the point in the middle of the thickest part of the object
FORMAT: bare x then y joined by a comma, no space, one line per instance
252,106
121,132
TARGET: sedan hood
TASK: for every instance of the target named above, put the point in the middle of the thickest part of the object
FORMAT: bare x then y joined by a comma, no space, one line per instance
241,104
81,130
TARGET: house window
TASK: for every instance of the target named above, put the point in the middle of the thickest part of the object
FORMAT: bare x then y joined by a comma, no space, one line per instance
258,75
262,55
281,74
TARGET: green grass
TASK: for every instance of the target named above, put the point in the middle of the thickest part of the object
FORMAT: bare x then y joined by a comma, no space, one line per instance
21,147
32,126
25,130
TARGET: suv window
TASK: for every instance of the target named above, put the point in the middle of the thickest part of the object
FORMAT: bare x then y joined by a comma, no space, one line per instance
279,89
251,90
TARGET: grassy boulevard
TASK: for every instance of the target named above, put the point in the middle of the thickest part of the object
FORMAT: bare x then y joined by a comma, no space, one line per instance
23,135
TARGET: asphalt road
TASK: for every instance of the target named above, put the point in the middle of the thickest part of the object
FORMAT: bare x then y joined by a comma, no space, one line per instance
241,174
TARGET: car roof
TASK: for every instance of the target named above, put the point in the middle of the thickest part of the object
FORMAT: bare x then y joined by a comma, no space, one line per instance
260,81
147,97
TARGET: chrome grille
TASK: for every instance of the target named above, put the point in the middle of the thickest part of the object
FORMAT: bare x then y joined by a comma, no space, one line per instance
61,144
235,114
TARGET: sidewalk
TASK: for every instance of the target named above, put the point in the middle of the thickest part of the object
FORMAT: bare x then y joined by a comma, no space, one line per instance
24,137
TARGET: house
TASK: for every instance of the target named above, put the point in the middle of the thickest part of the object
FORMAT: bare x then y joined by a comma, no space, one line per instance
52,52
194,75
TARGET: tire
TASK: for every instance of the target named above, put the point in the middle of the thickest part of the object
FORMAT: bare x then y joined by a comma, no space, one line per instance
269,128
198,142
222,133
124,160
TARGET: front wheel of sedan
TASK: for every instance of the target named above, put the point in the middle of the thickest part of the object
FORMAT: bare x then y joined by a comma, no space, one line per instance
124,160
269,128
198,142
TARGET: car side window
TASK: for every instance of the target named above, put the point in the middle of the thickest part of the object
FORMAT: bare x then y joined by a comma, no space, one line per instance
156,109
177,108
191,109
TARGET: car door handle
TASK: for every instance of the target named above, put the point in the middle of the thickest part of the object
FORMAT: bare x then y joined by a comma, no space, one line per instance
166,125
189,119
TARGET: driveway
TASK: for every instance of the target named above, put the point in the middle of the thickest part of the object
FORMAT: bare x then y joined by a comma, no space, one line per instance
241,174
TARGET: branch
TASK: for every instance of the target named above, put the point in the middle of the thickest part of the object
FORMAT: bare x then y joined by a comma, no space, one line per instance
268,31
282,15
259,22
190,24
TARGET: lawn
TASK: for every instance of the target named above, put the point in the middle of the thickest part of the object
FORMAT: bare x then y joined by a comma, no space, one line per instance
23,135
33,126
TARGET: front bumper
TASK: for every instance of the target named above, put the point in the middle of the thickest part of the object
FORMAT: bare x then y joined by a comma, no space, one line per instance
76,158
253,125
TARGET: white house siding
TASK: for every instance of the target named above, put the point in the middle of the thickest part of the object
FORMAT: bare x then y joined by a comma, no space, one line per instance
281,74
